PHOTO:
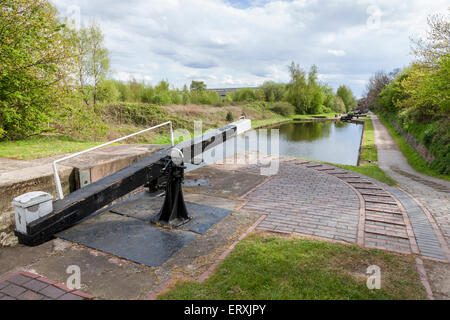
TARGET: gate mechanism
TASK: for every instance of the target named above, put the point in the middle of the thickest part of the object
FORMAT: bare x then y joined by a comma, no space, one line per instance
163,169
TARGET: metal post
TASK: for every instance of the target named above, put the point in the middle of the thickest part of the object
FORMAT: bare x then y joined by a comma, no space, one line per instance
171,134
57,182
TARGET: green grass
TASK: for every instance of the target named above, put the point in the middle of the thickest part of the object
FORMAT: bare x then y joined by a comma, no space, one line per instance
411,155
267,122
368,149
371,170
309,116
48,146
42,146
266,267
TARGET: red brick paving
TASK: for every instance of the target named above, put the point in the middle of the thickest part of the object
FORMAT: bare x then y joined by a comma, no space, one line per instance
29,286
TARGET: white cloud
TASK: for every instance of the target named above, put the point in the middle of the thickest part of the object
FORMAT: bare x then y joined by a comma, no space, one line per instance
233,43
337,53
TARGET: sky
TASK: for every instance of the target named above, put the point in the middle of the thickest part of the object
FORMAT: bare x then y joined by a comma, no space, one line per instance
240,43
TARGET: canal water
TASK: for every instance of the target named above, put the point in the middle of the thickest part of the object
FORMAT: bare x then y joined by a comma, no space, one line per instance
330,141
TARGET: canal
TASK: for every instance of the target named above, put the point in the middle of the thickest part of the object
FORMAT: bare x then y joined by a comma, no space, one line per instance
331,141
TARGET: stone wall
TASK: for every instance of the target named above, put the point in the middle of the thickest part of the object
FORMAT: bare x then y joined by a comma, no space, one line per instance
416,145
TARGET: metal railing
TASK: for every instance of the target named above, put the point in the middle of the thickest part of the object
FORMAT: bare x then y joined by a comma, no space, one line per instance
55,171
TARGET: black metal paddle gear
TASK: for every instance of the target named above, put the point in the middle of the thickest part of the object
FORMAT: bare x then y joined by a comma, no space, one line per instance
173,212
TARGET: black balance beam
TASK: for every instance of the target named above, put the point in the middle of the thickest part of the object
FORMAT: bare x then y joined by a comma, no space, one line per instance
87,200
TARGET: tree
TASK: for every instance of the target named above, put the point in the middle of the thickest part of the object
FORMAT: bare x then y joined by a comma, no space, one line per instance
186,99
198,85
328,101
338,105
316,96
98,59
108,92
162,93
347,97
273,91
374,87
92,61
296,89
36,59
437,44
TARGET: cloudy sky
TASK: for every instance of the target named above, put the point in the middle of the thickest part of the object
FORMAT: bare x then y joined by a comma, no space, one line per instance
237,43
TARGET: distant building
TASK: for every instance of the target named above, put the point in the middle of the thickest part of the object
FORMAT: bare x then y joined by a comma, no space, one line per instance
223,91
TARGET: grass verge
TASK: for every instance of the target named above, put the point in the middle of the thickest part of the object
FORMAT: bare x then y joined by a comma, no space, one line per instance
268,267
411,155
309,116
368,149
267,122
371,170
42,146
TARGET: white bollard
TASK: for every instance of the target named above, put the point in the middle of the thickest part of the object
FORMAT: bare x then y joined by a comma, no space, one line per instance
31,206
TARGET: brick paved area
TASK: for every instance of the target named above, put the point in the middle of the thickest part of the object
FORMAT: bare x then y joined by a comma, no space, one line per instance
320,205
321,200
384,223
29,286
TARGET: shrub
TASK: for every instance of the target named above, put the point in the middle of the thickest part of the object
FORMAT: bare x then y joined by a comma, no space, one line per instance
326,109
205,97
244,95
283,108
273,91
230,116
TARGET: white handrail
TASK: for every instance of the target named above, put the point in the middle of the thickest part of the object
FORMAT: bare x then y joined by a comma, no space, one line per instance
55,172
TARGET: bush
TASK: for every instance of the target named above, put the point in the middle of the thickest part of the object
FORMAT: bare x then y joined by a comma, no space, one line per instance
327,109
244,95
205,97
230,116
273,91
283,108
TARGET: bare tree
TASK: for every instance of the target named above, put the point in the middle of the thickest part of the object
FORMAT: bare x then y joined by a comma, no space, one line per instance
437,43
375,85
